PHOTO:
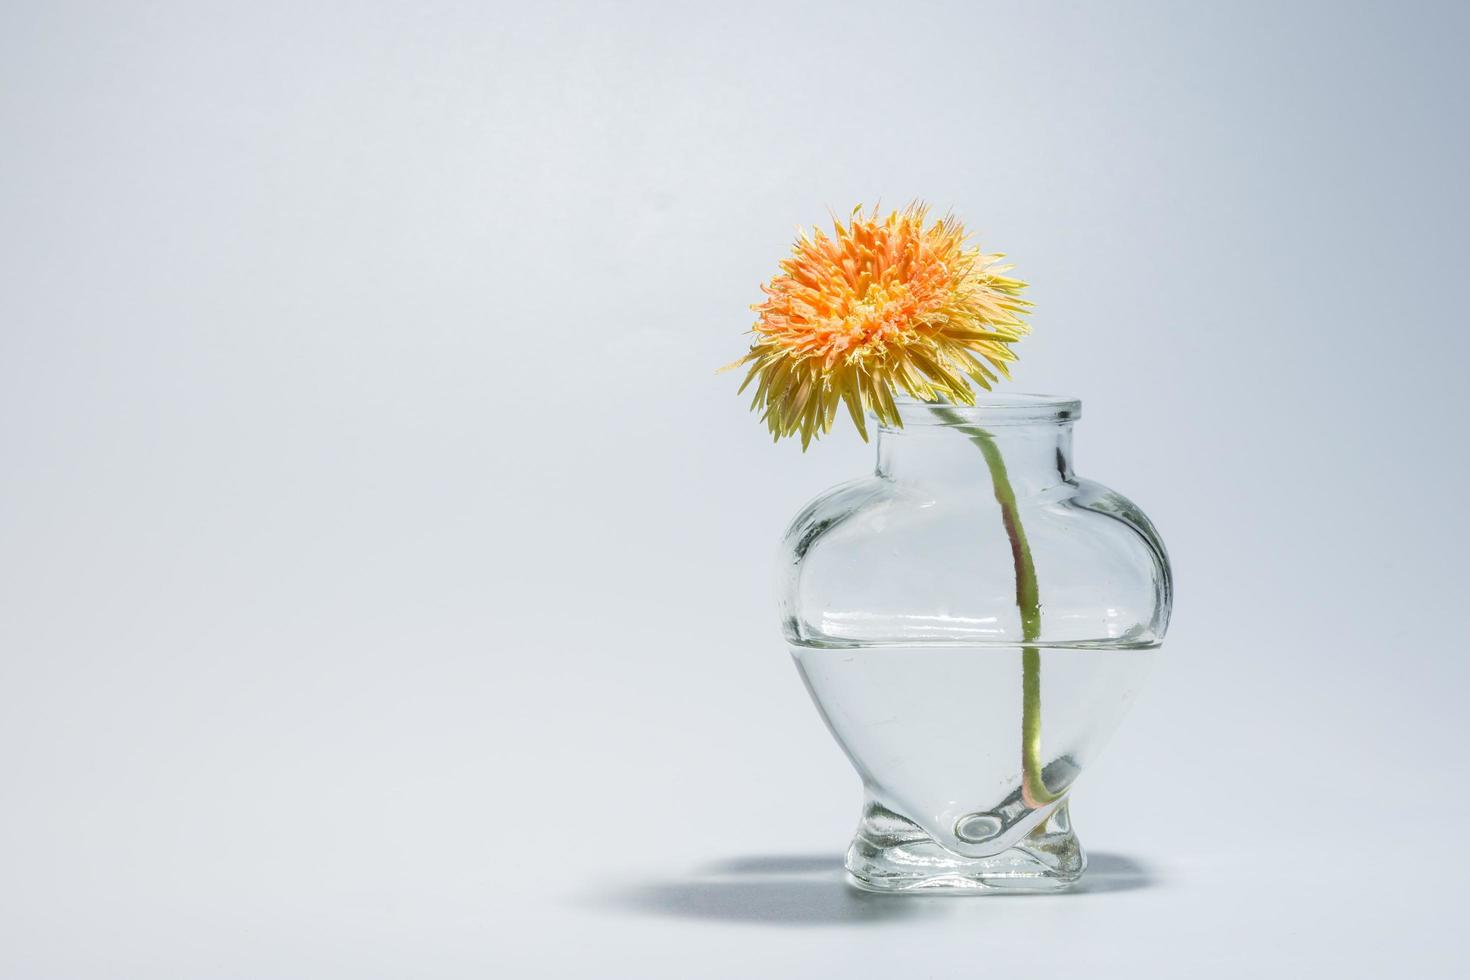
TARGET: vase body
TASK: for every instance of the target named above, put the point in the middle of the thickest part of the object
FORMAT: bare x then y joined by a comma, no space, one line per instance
968,703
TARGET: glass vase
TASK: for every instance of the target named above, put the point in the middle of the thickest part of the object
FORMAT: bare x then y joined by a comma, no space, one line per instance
972,622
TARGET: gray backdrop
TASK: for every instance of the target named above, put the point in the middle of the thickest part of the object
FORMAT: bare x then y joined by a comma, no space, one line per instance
385,573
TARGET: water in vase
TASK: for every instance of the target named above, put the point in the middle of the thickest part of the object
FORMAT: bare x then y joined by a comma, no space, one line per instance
936,734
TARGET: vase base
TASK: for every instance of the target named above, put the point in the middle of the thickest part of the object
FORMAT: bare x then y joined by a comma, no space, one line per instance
892,854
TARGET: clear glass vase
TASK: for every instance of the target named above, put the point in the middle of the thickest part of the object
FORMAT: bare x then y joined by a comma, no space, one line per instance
972,621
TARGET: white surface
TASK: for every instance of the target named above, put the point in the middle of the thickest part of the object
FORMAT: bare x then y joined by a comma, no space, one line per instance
384,573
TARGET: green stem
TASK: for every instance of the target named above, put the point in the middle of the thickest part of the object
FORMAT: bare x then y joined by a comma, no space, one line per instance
1028,600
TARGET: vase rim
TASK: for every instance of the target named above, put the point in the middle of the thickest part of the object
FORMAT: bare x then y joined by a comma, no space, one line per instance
990,408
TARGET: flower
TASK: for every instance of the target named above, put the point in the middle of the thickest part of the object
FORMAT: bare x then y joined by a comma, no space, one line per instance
885,304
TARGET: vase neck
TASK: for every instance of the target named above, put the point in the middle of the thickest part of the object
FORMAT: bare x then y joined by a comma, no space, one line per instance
1036,455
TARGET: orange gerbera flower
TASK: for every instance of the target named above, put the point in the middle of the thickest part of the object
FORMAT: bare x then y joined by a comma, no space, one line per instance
885,304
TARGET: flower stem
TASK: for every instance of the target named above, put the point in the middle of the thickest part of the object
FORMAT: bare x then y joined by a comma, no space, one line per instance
1034,790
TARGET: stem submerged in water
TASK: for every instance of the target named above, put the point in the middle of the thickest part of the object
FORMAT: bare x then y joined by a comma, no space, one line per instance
1028,600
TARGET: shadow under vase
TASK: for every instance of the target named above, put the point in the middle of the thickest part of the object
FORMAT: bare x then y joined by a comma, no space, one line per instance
807,890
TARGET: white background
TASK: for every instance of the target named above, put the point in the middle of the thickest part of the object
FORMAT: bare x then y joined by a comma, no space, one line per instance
385,573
